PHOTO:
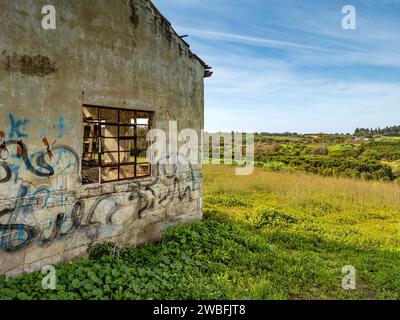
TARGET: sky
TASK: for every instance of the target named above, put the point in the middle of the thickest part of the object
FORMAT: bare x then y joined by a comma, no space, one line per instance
289,66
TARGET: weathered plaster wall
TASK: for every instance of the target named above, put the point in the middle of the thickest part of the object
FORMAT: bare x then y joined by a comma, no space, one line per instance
118,53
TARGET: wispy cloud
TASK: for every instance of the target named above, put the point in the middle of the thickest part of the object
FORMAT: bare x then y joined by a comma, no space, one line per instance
243,39
289,66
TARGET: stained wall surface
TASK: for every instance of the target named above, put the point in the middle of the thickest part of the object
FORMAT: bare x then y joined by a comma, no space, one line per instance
116,53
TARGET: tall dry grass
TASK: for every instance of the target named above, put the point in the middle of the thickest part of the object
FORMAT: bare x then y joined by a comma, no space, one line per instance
359,212
298,186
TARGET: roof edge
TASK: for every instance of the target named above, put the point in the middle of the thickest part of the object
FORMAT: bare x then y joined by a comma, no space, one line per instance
207,68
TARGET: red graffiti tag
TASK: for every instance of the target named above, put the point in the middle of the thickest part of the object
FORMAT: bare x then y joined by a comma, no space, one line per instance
20,149
3,142
46,143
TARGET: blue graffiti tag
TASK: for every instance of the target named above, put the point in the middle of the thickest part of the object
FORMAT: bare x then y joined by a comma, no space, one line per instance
16,126
60,127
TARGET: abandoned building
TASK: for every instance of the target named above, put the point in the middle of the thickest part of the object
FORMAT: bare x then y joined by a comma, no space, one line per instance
77,103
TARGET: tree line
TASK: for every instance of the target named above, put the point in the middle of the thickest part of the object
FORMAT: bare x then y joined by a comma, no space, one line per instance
388,131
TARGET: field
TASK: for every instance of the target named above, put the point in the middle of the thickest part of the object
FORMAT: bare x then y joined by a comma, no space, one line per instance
367,158
318,225
272,235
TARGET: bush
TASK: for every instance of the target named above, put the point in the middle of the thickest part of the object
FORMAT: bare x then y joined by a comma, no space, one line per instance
327,166
276,166
343,151
271,217
371,155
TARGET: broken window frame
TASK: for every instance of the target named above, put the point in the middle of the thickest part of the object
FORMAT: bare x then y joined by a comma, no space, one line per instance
98,146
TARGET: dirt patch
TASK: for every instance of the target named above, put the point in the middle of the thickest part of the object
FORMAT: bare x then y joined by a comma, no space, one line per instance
134,14
32,66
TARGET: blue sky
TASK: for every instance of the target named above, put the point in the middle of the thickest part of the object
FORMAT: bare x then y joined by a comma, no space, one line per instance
285,65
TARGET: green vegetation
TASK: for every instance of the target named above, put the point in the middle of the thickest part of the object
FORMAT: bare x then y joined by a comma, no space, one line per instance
374,158
325,166
271,235
388,131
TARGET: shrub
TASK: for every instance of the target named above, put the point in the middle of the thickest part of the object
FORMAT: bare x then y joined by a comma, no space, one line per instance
276,166
271,217
343,151
327,166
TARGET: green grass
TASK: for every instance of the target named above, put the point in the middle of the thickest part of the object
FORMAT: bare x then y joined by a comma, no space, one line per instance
271,235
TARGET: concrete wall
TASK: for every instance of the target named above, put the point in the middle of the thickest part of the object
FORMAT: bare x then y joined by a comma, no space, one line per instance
117,53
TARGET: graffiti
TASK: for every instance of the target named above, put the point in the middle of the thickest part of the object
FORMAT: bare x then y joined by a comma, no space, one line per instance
42,211
57,233
36,163
148,198
145,195
15,156
16,126
74,222
15,236
6,175
90,219
177,191
168,178
60,127
17,227
42,169
48,149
